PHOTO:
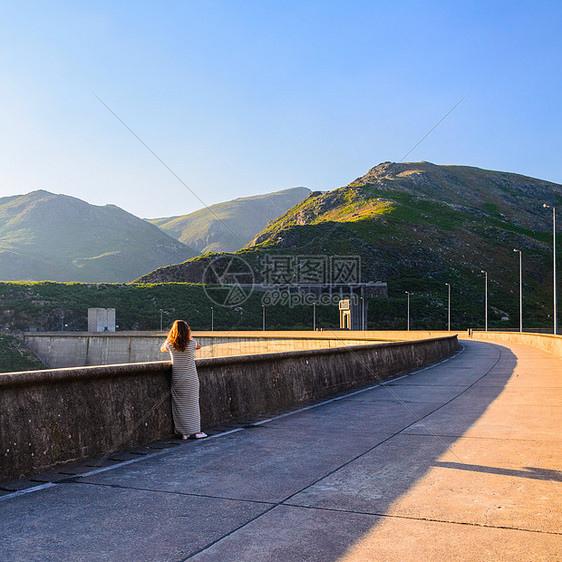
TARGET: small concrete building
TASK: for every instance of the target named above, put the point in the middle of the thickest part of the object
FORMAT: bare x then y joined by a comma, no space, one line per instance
101,320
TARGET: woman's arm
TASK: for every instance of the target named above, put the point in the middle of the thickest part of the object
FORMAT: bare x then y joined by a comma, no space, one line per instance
197,344
163,347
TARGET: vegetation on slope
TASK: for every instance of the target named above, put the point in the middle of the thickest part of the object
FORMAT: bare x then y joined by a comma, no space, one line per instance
226,227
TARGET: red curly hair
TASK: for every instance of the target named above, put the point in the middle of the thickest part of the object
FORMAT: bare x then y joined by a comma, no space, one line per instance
179,335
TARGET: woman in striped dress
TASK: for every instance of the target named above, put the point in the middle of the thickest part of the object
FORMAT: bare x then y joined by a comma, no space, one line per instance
185,382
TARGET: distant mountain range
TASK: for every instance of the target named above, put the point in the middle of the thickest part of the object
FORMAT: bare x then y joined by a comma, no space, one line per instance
420,225
227,227
44,236
414,225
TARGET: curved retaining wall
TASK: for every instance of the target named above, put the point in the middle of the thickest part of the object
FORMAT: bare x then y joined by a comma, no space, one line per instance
544,342
80,349
62,415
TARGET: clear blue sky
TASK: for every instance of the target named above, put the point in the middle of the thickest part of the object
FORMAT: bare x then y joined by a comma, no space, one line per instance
242,97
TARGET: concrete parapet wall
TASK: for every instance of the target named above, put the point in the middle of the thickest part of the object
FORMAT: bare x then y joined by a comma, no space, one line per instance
242,387
58,350
544,342
62,415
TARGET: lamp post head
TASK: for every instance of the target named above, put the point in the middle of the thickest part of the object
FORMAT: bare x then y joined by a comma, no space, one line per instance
482,271
516,250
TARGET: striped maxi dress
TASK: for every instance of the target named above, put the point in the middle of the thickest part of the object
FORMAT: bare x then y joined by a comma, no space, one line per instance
185,389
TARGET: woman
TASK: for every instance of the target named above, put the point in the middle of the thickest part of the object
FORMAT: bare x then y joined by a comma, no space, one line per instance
185,382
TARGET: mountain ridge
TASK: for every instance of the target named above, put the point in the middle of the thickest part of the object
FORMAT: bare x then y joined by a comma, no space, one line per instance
229,225
389,178
47,236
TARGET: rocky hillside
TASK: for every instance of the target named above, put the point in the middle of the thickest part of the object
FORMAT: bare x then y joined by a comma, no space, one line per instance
44,236
227,227
461,194
420,225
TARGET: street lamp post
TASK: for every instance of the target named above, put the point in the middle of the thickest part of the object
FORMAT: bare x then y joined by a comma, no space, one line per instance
314,316
263,316
485,300
161,319
520,290
554,261
408,317
448,307
212,319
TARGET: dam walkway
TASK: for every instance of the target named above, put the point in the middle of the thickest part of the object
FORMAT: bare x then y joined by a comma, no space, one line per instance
459,461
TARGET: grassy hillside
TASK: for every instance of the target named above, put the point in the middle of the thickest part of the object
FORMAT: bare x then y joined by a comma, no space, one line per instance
44,236
226,227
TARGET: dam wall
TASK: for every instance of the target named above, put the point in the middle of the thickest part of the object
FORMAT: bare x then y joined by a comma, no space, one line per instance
79,349
57,416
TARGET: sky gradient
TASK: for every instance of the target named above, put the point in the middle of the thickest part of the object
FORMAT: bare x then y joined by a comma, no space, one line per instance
243,97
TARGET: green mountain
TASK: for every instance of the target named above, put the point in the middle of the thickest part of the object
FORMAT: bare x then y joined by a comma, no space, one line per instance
418,226
226,227
44,236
